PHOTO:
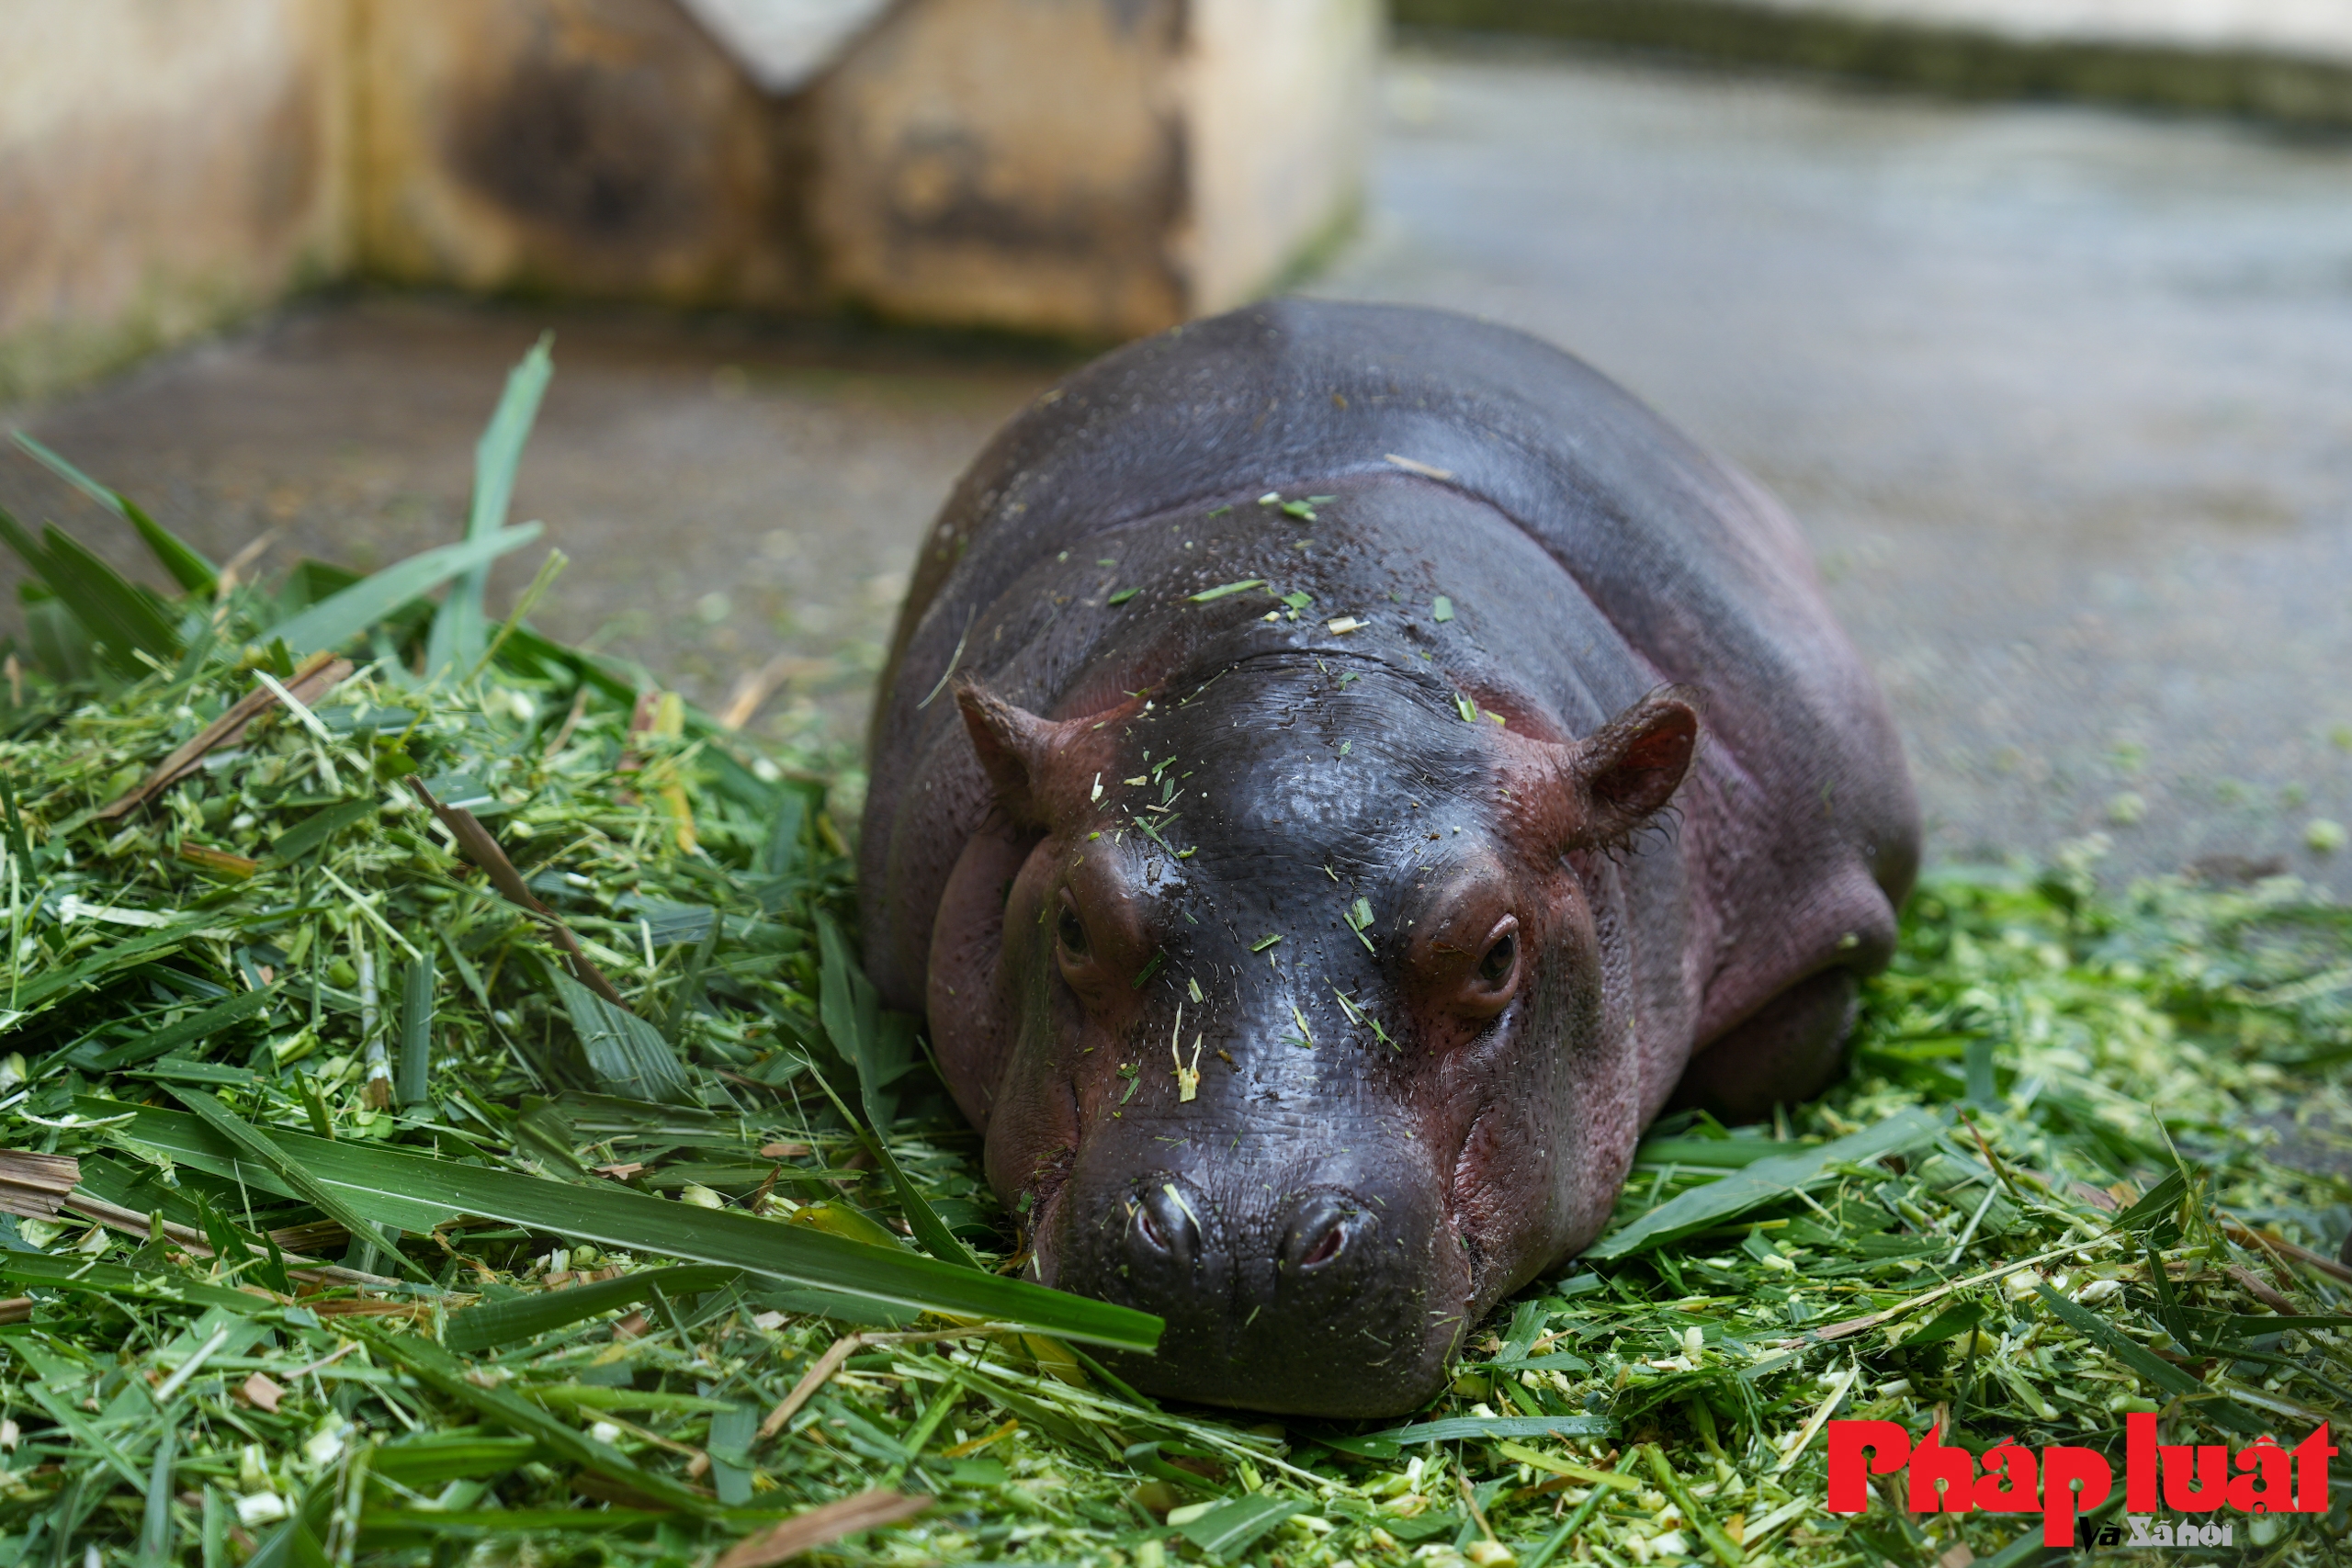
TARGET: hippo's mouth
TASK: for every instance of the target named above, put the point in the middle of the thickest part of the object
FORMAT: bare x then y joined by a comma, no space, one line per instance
1466,1180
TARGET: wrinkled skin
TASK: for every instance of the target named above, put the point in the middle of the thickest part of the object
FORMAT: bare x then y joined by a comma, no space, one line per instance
1673,832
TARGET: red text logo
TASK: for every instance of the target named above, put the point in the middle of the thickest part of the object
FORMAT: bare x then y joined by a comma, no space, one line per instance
2059,1482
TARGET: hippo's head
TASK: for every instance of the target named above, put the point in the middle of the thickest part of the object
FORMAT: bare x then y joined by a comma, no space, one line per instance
1298,1030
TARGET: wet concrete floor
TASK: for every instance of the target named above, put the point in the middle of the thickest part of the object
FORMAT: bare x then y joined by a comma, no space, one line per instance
728,493
2062,396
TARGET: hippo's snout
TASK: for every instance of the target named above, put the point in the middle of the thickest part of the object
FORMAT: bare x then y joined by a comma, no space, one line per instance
1327,1235
1327,1297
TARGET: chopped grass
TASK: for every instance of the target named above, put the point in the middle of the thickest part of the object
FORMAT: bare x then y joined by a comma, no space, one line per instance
646,1282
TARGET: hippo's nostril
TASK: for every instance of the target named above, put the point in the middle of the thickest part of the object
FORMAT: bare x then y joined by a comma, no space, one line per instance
1320,1230
1164,1225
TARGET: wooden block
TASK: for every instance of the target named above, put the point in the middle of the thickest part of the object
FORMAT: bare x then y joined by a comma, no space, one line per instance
1096,167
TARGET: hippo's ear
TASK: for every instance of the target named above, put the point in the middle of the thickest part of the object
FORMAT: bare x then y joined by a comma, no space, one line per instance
1602,788
1013,745
1040,769
1623,773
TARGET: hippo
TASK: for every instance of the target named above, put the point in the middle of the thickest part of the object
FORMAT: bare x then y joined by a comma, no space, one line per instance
1340,772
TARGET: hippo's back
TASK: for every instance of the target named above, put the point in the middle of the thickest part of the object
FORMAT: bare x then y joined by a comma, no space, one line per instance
1695,567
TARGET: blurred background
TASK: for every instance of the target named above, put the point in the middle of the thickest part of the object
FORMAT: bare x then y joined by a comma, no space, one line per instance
2037,312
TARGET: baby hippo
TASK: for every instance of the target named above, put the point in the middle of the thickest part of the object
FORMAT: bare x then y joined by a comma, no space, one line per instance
1342,771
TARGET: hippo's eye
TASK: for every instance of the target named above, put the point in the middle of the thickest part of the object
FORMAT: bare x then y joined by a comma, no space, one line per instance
1071,931
1465,956
1502,956
1494,980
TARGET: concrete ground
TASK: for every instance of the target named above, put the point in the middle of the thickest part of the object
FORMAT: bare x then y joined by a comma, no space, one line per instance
2061,396
728,493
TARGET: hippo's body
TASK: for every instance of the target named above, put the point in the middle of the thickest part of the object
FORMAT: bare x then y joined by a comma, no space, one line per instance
1099,787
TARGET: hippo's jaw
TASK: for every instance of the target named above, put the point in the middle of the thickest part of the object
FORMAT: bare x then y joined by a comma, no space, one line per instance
1331,1284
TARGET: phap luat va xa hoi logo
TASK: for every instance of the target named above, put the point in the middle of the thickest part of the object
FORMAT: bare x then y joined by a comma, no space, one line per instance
2059,1482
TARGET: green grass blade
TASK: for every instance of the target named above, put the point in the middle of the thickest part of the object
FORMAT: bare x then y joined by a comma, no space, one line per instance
339,617
196,1026
368,1177
435,1458
503,1322
187,565
597,1117
1228,1529
310,582
499,451
2239,1325
2173,1381
57,983
192,571
155,1524
1578,1519
527,651
781,850
1949,1324
62,648
2156,1206
1765,1181
149,1285
189,1142
608,1396
375,1178
541,580
627,1053
1728,1153
293,1172
296,1542
117,614
58,465
1527,1322
2156,1369
387,1526
882,1050
930,1230
460,624
414,1069
318,827
729,1446
852,1016
26,547
2027,1548
1482,1428
446,1375
88,1435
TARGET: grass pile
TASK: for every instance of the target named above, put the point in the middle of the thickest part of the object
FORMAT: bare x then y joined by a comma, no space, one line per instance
445,1123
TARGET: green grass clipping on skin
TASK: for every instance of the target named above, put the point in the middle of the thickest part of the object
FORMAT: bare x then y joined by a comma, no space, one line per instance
2051,1161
